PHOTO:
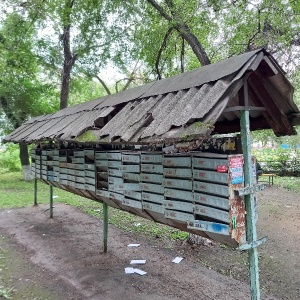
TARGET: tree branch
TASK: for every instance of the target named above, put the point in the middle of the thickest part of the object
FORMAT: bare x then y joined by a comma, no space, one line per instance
160,10
162,47
183,29
131,77
103,84
182,56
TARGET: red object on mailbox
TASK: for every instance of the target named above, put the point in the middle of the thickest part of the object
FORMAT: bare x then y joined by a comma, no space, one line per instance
222,169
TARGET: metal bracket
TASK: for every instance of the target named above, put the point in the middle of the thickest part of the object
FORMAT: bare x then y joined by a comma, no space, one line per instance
249,190
253,244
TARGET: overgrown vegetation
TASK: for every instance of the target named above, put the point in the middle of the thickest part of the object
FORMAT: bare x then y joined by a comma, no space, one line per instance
9,159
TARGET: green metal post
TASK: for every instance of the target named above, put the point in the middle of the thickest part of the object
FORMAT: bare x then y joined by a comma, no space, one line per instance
249,199
51,201
35,191
105,226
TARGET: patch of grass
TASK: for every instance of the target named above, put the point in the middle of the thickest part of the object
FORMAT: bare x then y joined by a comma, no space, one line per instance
289,183
17,193
6,293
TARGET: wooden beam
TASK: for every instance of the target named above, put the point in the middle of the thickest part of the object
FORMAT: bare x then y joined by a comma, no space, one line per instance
294,119
275,117
239,108
234,126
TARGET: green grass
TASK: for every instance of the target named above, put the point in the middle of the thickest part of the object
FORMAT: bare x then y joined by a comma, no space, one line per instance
14,192
6,293
289,183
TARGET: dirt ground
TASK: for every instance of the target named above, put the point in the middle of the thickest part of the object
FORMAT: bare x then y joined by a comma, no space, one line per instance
62,258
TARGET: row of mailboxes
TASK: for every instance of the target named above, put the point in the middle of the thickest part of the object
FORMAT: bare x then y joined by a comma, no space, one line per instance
191,191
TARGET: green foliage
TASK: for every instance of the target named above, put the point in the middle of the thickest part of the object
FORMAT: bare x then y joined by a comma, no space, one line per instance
22,94
179,235
83,90
268,136
9,159
278,160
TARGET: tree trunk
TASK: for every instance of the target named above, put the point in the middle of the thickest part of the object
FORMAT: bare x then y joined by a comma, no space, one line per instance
24,157
69,61
69,58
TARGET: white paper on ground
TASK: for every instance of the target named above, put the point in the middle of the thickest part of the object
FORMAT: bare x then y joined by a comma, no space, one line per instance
129,270
133,245
140,272
177,260
138,262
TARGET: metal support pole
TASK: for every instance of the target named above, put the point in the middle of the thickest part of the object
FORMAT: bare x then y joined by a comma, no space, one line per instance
51,201
249,200
105,226
35,191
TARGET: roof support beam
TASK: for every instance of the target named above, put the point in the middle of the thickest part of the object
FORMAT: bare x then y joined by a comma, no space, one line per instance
239,108
276,119
234,126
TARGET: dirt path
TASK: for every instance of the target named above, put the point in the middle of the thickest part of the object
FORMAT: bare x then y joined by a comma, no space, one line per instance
62,259
279,219
279,258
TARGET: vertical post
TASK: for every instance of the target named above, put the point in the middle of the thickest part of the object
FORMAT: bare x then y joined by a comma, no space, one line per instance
249,199
105,226
51,201
35,191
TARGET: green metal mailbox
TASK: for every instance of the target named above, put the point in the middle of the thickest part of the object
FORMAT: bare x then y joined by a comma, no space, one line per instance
194,191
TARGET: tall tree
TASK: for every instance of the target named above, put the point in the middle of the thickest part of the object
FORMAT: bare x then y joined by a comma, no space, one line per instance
70,33
22,95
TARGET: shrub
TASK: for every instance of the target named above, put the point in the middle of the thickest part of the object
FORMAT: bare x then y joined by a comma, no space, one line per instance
9,158
283,162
